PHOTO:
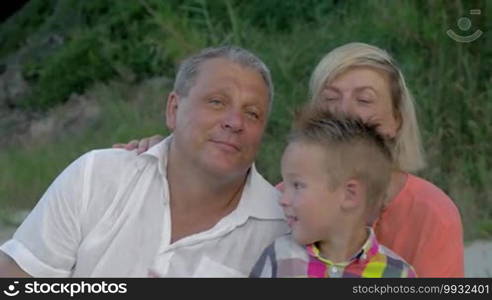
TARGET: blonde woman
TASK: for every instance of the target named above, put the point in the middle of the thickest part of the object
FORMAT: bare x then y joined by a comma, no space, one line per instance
418,221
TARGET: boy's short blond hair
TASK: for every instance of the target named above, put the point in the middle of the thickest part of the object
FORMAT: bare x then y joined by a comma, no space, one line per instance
407,149
356,151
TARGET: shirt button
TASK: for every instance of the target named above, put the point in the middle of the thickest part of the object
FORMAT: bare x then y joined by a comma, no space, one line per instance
334,269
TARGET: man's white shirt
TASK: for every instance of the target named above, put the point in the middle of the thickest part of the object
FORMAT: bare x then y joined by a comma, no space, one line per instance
108,215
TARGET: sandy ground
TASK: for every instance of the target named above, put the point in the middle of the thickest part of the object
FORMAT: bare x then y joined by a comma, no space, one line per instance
478,255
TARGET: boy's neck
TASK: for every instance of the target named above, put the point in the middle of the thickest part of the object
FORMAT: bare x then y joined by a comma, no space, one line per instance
345,244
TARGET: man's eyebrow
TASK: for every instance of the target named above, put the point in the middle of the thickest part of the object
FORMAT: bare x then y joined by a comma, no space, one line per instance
216,90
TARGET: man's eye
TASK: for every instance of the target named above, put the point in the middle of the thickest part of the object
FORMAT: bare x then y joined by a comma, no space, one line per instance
253,115
216,102
363,100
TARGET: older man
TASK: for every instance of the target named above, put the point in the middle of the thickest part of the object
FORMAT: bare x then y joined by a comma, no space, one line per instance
193,205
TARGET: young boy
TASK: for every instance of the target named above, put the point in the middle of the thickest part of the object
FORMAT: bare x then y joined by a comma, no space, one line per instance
336,170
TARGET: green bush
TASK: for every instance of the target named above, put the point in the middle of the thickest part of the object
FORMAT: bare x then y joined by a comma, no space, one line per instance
72,69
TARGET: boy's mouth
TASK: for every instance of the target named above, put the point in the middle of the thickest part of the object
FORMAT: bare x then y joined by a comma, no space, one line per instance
291,219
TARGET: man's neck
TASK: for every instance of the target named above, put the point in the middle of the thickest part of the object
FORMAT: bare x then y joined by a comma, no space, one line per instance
199,200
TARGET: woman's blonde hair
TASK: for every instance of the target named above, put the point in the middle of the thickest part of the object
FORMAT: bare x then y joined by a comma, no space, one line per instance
407,147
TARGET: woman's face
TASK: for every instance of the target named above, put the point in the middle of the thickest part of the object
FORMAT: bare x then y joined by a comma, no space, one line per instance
364,92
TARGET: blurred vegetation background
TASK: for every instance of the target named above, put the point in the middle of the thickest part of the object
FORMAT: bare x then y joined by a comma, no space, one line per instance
78,75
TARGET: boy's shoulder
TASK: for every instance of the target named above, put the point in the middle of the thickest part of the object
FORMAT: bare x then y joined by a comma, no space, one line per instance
396,266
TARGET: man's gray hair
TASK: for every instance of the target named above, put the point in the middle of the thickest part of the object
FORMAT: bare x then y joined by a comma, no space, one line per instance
189,68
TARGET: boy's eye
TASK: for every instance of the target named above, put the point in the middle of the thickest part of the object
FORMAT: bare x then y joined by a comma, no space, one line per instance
297,185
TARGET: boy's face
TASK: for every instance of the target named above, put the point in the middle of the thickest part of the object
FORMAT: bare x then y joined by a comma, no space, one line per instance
311,208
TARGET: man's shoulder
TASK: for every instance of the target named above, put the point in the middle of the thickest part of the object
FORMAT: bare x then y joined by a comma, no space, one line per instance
107,171
286,247
113,155
117,159
260,198
286,241
261,185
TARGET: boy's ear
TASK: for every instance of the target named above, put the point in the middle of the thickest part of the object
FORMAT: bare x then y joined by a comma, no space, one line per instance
353,194
171,110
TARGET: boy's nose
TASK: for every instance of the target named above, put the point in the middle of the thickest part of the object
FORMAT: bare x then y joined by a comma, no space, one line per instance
284,200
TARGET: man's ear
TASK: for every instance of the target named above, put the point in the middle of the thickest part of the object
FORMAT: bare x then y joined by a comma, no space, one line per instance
171,110
353,194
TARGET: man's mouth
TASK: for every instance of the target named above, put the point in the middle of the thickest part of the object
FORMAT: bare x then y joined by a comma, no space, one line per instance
231,147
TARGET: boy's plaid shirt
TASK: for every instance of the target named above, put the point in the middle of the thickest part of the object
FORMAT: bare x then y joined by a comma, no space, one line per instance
286,258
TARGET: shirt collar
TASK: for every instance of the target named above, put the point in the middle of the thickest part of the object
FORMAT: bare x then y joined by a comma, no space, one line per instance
160,151
258,200
368,250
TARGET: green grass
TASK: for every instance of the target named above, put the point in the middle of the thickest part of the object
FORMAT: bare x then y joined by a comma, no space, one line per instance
127,111
129,41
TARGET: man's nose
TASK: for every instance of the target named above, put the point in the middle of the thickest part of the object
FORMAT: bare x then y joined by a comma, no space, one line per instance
234,120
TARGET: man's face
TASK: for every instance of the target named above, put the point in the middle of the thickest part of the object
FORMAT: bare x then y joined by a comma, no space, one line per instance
218,126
